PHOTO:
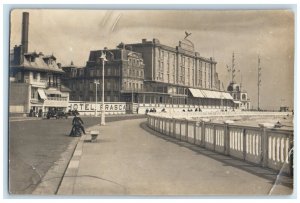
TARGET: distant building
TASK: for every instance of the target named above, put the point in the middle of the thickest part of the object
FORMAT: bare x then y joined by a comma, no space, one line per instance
124,76
173,75
35,79
149,73
284,109
240,97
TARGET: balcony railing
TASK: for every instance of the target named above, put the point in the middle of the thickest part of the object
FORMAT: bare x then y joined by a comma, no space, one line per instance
57,98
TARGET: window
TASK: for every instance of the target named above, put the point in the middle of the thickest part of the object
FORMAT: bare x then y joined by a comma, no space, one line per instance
34,93
91,72
108,85
92,84
244,96
35,75
108,72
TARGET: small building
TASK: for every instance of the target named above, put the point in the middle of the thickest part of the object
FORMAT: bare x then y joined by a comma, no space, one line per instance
284,109
35,80
240,97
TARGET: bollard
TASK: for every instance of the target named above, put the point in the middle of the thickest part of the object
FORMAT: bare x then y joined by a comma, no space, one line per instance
94,135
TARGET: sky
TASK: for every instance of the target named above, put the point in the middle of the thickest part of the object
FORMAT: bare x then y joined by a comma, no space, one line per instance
71,34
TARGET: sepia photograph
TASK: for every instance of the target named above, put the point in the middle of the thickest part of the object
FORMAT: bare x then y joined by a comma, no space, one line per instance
151,103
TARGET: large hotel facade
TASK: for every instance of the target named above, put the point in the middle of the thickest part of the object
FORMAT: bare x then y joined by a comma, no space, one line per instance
150,73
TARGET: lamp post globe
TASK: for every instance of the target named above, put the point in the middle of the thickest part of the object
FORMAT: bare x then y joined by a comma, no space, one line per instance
103,58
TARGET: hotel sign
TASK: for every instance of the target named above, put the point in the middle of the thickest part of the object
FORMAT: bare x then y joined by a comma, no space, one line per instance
90,106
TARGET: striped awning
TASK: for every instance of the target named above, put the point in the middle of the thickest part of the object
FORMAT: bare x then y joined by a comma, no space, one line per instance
42,93
197,93
226,95
210,94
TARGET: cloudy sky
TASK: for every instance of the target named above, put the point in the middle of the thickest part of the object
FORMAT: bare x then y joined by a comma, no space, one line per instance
71,34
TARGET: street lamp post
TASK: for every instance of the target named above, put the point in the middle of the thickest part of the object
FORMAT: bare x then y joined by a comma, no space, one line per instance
96,83
103,58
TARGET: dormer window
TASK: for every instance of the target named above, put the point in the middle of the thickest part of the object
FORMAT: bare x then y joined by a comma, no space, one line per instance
32,59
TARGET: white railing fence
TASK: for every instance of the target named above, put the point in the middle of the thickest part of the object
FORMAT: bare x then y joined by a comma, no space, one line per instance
258,145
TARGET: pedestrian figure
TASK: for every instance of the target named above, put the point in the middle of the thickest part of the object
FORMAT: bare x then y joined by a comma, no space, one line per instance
77,124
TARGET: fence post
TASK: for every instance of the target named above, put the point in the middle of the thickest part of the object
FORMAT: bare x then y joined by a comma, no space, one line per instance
214,128
187,130
195,131
264,146
174,127
291,155
244,144
169,130
226,139
180,130
203,134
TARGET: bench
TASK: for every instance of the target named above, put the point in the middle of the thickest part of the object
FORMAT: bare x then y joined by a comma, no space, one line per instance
94,135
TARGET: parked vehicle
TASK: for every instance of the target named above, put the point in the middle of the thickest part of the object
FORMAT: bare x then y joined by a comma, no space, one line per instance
56,114
61,114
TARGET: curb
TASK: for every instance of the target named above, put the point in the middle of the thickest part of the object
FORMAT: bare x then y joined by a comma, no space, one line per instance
69,177
52,179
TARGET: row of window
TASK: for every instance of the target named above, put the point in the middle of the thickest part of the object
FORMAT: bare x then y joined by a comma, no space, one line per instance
107,98
80,85
132,85
135,62
183,60
133,73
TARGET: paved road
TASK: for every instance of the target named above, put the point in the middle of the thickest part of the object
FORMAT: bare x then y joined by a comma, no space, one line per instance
37,145
130,159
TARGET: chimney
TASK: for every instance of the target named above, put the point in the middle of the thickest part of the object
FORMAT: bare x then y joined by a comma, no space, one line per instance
25,27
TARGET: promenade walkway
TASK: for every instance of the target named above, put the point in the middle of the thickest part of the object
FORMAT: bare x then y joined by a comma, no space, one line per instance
130,159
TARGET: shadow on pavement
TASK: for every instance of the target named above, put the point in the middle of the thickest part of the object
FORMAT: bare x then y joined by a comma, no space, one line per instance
266,173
